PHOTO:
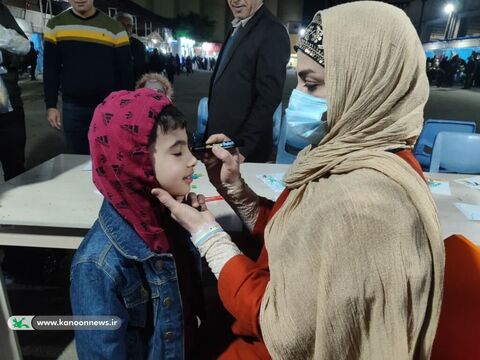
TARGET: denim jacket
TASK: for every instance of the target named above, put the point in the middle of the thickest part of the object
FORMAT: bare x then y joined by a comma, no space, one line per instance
115,273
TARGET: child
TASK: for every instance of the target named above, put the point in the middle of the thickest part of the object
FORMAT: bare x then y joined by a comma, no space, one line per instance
157,82
135,262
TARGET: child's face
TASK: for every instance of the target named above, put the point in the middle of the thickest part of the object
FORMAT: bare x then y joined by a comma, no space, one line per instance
172,161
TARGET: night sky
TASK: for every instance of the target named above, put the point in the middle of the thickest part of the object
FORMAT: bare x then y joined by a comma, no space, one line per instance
310,7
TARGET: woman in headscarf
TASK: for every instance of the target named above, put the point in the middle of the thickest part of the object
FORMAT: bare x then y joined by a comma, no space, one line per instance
352,266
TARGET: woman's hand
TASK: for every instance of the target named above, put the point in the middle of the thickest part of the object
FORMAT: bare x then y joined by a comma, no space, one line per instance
187,216
223,166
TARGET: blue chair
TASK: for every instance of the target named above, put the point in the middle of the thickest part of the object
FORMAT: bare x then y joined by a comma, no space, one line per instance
286,153
456,152
202,119
277,123
431,128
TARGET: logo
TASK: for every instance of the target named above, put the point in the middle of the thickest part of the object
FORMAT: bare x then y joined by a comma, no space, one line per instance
125,102
117,169
20,323
109,195
107,117
103,140
100,171
132,129
122,205
136,151
152,114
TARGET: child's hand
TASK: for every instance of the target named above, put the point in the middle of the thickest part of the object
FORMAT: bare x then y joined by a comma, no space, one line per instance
196,201
223,166
187,216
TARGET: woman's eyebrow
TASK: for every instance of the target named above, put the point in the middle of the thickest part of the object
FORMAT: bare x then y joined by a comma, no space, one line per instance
304,73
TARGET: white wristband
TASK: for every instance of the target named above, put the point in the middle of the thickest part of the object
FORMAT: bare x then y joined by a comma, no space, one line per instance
205,233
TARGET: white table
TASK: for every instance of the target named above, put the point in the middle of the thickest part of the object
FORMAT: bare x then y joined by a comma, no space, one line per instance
452,220
54,205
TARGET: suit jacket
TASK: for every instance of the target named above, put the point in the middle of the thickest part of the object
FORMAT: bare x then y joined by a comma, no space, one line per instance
246,87
139,57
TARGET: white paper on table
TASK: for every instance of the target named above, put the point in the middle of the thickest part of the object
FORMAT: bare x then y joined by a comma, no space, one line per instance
439,187
471,212
472,182
273,181
88,166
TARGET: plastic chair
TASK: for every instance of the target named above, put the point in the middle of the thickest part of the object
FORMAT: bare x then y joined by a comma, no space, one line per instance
431,128
277,123
459,326
285,155
456,152
202,117
289,145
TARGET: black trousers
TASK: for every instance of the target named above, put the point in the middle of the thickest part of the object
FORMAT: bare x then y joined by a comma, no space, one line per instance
12,142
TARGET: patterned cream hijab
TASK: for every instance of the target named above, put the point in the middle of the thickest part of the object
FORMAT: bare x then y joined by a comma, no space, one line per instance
376,91
376,85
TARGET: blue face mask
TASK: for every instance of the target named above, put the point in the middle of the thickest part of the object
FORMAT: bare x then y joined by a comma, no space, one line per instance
303,120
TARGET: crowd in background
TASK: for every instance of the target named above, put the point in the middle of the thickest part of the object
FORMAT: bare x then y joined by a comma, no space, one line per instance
444,71
175,65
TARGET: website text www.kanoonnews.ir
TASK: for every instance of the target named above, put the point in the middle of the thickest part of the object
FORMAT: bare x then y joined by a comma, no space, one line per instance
61,322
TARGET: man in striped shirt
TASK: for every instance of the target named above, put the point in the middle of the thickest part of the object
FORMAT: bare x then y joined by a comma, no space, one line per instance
87,56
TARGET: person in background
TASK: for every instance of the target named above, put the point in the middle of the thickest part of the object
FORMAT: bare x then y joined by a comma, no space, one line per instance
188,65
139,53
178,65
212,64
156,62
13,45
157,82
353,261
476,77
247,83
171,68
33,61
470,71
87,55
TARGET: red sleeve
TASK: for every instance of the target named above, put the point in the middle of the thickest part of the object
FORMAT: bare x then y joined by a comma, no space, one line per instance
412,161
265,208
241,286
242,281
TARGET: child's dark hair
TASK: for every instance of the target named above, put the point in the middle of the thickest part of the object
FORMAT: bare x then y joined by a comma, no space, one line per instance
170,118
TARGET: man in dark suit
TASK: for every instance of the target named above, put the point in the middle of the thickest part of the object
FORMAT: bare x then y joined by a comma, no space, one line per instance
247,83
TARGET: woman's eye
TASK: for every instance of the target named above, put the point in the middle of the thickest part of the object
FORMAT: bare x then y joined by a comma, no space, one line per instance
311,86
177,154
